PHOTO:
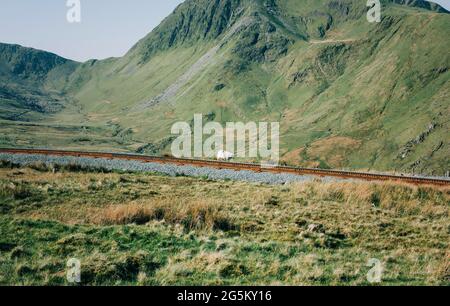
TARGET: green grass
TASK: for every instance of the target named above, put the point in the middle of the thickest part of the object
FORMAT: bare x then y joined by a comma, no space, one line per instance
378,85
145,229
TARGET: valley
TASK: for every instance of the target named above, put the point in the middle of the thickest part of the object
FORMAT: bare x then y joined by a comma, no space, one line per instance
348,94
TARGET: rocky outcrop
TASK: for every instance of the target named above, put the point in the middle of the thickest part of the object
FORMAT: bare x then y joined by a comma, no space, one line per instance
409,147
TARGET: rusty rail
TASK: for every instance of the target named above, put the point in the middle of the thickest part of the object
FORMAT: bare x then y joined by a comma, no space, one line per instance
238,166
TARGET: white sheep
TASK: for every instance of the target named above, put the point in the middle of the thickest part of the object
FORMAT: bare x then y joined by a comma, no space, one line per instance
224,155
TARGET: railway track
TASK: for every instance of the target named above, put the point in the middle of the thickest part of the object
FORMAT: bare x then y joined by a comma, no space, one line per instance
238,166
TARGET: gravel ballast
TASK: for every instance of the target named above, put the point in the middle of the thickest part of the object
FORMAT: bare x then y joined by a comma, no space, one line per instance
168,169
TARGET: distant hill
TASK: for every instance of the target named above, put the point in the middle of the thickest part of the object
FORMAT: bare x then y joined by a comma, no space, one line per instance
347,93
32,81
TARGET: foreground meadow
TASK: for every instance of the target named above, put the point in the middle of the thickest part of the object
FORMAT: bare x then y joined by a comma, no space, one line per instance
148,229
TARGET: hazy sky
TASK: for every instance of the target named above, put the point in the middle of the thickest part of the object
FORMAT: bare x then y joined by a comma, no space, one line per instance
107,28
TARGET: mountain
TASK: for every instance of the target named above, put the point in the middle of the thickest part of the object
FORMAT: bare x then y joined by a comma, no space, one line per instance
31,82
347,93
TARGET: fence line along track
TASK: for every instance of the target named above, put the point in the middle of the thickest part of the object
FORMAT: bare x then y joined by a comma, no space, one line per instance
238,166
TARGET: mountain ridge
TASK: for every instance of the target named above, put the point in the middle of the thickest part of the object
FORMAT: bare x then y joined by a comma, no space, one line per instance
30,78
346,92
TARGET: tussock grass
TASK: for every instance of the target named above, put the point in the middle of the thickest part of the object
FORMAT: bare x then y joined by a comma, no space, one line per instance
15,191
8,164
146,229
193,215
71,167
399,197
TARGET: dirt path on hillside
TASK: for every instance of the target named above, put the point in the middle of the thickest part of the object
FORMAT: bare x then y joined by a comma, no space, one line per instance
331,41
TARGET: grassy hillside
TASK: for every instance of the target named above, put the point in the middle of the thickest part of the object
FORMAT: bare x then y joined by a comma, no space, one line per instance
140,229
32,82
347,93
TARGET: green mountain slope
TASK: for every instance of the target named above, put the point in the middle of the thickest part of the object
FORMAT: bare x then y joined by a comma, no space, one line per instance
346,92
32,82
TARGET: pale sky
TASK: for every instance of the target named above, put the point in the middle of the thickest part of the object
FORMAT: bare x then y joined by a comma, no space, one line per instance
107,28
443,3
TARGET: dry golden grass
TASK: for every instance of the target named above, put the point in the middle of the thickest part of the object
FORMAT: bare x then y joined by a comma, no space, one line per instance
114,198
333,149
399,197
304,233
193,215
293,157
125,214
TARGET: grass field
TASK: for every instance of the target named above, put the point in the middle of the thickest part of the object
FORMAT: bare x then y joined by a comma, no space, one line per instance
148,229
